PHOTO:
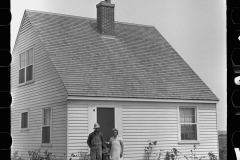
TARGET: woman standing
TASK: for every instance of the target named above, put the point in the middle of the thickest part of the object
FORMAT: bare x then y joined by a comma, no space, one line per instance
116,146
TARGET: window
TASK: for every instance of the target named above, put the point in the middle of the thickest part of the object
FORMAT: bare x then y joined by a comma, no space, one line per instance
26,66
24,120
46,126
188,124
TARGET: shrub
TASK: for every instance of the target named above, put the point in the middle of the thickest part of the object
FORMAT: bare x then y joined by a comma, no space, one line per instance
15,156
149,148
35,155
193,155
81,155
159,154
149,151
167,157
172,155
212,156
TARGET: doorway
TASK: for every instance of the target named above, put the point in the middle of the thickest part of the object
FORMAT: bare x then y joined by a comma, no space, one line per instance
106,120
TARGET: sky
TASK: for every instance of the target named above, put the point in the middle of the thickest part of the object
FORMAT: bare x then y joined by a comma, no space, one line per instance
196,29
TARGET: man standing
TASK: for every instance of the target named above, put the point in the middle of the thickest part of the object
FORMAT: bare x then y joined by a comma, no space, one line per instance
95,141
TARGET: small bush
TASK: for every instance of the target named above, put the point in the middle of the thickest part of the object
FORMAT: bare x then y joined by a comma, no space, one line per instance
212,156
193,155
149,148
172,155
167,157
15,156
35,155
81,155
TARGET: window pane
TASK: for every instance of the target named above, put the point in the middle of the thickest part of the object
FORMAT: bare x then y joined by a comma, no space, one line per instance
46,134
189,119
46,120
181,111
24,121
181,119
22,60
188,132
189,111
192,119
187,115
29,73
46,116
29,57
22,75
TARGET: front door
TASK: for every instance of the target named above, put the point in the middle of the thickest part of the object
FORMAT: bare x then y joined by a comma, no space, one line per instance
106,120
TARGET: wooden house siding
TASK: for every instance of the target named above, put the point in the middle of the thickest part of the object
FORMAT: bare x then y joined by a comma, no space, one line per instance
143,121
159,122
47,90
77,128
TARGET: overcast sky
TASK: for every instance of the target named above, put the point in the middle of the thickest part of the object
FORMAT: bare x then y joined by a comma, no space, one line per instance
195,28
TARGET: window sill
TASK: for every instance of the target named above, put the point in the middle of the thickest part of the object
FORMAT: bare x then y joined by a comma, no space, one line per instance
24,129
28,82
189,142
46,145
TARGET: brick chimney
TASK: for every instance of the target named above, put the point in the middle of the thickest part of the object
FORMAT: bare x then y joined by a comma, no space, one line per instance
105,18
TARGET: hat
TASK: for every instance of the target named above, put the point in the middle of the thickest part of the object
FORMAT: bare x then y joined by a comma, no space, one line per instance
96,125
114,129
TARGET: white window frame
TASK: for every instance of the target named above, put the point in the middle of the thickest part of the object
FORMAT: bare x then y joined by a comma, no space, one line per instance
42,122
179,125
30,81
24,129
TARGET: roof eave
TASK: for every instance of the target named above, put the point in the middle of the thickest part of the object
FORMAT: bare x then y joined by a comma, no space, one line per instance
139,99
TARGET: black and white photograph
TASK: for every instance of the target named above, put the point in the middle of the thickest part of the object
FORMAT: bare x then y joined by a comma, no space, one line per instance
118,80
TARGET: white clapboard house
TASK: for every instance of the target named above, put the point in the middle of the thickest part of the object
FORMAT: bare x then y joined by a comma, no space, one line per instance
68,72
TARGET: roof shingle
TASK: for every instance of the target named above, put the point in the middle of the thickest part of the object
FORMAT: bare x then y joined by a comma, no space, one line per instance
138,62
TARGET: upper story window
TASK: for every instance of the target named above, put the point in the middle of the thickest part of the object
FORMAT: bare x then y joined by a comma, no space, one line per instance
188,126
26,66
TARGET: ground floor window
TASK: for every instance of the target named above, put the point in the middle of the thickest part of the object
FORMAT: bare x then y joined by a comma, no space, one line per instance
46,125
24,120
188,123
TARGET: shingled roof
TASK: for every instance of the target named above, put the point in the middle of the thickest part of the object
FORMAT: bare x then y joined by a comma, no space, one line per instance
137,62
